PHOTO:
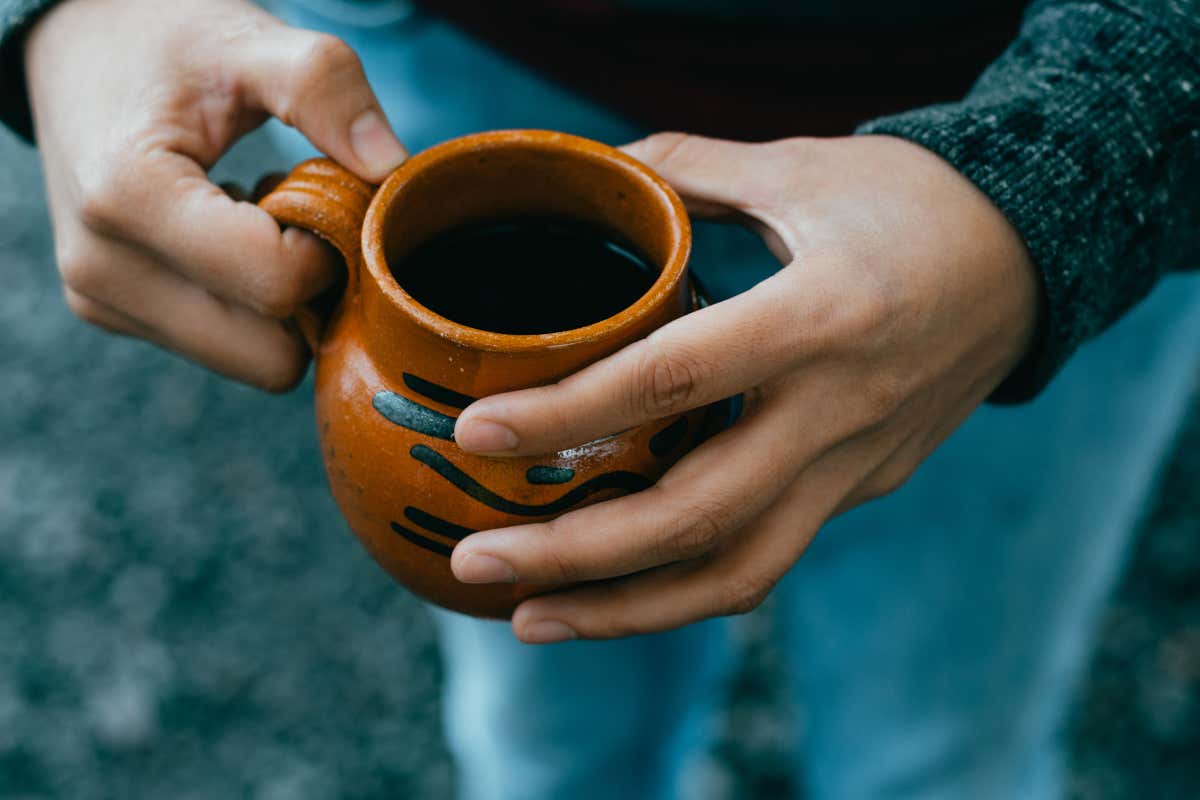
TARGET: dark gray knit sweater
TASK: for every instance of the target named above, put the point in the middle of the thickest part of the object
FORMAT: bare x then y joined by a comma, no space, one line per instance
1085,133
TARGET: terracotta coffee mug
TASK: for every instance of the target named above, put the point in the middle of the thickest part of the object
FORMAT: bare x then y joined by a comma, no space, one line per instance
391,375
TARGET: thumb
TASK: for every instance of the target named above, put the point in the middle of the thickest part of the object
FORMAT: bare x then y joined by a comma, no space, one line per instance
713,176
717,178
315,83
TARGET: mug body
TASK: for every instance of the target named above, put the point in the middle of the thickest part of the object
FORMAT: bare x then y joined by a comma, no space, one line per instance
392,375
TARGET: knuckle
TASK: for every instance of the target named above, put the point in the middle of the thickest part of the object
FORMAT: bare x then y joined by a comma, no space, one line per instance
102,197
283,374
744,594
889,480
327,53
664,143
695,531
563,568
878,315
99,208
281,381
80,272
867,321
85,309
672,150
276,295
321,64
882,396
558,564
666,382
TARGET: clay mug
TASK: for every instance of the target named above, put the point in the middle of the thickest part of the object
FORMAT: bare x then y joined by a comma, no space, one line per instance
391,375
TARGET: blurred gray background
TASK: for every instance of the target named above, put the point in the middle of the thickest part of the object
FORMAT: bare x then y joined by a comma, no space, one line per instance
183,613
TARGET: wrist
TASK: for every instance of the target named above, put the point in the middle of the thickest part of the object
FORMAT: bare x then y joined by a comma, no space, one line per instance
981,242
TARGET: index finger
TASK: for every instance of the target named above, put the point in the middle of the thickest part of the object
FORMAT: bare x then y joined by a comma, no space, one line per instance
712,492
701,358
168,208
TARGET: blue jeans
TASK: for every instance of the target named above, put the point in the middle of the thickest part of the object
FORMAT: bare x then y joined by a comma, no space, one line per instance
934,637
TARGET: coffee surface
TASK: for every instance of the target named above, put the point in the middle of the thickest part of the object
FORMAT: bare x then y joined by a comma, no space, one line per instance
525,276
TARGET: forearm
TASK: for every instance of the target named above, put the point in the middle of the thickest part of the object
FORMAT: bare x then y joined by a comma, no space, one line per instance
1086,134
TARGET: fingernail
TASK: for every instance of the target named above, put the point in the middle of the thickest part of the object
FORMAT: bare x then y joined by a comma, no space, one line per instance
375,144
485,436
481,568
548,631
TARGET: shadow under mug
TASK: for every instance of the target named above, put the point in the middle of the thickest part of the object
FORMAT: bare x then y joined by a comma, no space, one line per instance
392,375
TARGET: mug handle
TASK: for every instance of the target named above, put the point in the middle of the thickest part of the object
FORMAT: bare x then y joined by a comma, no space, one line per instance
328,200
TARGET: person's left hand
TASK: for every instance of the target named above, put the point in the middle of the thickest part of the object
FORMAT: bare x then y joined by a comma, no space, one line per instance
906,299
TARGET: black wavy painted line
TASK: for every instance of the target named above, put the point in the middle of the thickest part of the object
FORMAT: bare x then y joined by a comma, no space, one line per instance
669,437
437,524
414,416
629,481
541,475
439,394
421,541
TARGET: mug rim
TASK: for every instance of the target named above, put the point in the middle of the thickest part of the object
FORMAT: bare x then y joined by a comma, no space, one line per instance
659,293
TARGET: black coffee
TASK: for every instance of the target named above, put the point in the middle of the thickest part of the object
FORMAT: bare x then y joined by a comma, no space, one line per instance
525,276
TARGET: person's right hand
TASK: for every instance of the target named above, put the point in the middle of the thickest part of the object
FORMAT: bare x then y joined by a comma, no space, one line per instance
134,100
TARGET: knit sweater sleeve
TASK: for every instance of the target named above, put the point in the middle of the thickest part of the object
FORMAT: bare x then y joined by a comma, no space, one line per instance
1086,134
16,17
